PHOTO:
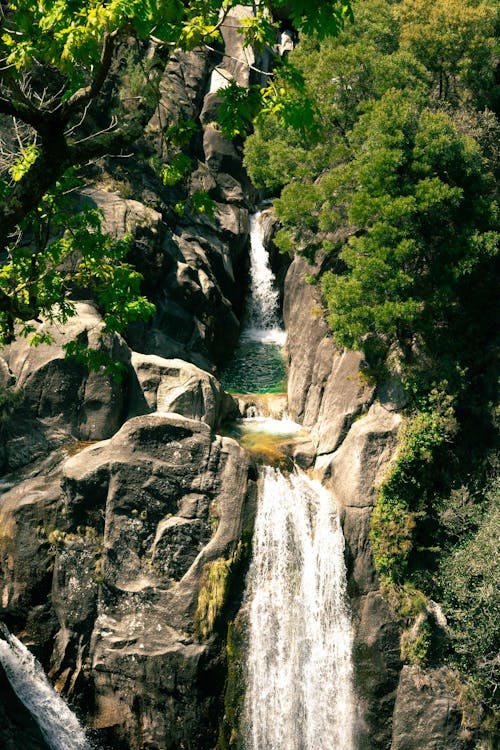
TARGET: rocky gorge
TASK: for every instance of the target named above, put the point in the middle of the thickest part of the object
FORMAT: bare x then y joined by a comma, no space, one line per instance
126,517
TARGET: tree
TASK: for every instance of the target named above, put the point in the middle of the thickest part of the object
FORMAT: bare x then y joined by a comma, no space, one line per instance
421,202
65,97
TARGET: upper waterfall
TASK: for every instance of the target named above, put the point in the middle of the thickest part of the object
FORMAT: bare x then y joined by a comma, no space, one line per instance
299,668
263,318
58,724
257,364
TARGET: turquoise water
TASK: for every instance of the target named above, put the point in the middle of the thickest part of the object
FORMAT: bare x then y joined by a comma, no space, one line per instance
255,367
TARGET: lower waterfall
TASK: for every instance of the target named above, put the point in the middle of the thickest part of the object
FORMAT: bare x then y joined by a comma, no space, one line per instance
58,724
299,668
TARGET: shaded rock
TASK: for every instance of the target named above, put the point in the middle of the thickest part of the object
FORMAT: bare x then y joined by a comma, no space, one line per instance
177,386
377,661
182,90
124,216
28,513
221,155
426,714
59,391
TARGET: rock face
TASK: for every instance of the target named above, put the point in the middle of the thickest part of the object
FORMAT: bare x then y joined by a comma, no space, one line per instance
125,536
355,437
354,427
425,712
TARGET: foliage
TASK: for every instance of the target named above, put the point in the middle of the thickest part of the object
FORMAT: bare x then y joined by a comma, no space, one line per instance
470,578
64,249
80,81
456,42
408,492
416,643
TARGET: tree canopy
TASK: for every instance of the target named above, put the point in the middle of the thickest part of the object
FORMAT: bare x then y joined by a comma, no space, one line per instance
66,99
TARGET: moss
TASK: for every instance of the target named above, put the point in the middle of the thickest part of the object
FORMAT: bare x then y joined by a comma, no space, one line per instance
416,642
230,726
408,494
212,596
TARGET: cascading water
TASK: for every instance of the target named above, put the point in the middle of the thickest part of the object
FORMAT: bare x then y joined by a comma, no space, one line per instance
58,724
257,364
263,301
299,669
298,665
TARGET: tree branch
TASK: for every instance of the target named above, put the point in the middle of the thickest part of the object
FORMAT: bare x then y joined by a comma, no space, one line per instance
85,94
21,111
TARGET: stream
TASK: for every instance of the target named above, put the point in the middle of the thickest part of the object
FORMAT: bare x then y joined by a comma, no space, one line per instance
298,669
58,724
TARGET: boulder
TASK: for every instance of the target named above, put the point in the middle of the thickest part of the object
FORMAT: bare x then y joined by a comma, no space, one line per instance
122,563
58,391
176,501
177,386
357,468
426,714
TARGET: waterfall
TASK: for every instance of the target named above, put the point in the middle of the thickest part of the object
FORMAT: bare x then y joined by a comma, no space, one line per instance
257,365
264,297
299,669
59,726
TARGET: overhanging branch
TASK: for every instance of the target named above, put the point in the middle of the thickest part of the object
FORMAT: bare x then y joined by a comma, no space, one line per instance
86,93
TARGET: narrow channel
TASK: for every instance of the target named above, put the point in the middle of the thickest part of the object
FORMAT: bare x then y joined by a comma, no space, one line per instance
298,693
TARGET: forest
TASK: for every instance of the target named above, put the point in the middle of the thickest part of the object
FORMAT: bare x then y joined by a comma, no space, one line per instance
376,140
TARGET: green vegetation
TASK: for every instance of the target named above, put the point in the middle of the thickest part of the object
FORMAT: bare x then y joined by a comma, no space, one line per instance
79,81
212,596
392,188
229,730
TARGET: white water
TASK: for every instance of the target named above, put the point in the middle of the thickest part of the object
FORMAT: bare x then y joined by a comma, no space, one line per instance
299,669
284,426
263,325
58,724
